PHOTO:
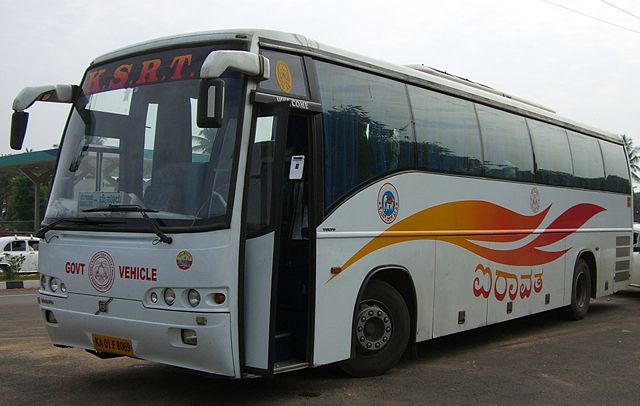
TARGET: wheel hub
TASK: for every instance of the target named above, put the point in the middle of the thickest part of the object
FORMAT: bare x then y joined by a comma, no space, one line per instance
373,330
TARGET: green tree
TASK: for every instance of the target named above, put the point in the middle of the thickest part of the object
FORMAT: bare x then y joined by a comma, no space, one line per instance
634,158
20,195
5,181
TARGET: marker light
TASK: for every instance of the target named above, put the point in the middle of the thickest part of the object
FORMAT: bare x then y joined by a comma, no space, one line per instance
54,284
194,297
154,297
169,296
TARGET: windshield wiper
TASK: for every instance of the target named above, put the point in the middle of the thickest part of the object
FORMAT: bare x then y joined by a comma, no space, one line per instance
74,220
135,208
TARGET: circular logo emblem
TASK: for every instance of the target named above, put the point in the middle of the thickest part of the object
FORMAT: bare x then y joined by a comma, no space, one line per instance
534,200
102,272
184,260
283,76
388,203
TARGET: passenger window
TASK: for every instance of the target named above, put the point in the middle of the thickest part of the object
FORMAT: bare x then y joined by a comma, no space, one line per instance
587,161
7,248
506,145
553,157
34,245
367,128
447,135
615,166
18,246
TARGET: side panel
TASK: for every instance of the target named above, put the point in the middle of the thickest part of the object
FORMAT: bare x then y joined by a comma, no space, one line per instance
471,245
455,275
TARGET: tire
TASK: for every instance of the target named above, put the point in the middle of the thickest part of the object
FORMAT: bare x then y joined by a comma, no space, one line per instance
381,331
580,291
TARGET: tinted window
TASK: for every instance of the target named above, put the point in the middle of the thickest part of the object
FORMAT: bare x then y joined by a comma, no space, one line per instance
447,133
553,157
18,246
615,166
587,161
506,145
261,176
287,75
7,247
367,128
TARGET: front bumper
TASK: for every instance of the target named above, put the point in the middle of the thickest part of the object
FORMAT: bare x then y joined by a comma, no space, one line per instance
155,334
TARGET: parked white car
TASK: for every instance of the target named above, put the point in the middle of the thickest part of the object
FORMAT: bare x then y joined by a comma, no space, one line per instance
20,245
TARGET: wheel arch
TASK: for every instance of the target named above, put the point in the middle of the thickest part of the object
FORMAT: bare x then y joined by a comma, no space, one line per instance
590,259
400,278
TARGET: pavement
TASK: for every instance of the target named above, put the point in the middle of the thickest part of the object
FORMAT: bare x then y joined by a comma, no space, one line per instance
536,360
20,285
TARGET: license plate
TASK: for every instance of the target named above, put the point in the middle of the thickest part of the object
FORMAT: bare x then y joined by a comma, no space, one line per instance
113,345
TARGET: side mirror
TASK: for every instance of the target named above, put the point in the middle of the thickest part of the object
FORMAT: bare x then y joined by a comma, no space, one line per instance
211,103
30,95
19,121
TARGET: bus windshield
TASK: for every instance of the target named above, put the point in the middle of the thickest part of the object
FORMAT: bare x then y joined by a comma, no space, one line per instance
132,139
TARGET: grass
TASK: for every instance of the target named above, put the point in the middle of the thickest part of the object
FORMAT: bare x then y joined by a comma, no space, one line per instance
22,277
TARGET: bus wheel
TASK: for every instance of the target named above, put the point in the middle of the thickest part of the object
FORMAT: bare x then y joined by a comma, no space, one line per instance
580,291
381,331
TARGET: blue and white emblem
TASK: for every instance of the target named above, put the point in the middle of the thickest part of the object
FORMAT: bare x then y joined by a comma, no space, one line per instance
388,203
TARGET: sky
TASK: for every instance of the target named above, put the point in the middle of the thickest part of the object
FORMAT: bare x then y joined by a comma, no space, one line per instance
584,64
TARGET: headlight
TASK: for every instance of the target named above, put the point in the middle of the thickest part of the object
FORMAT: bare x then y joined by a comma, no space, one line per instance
169,296
54,284
154,297
43,282
194,297
63,288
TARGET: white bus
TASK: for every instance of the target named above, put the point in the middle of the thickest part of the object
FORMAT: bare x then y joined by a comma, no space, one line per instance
253,202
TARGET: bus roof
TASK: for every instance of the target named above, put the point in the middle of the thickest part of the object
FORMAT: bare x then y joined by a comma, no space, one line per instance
417,74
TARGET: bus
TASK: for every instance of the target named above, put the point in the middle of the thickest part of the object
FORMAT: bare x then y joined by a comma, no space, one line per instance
253,202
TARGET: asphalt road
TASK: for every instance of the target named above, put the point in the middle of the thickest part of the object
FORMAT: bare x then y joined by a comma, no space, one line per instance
535,360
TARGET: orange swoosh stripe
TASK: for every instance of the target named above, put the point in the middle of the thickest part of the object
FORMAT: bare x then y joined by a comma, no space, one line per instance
482,216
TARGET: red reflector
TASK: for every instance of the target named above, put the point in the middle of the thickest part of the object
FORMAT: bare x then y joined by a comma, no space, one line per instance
219,298
336,270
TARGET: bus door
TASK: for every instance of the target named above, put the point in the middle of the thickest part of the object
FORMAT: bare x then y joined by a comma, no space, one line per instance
276,246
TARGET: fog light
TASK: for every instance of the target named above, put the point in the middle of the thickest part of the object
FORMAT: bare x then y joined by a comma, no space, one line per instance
63,288
219,298
48,314
169,296
154,297
43,282
54,284
189,337
194,297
